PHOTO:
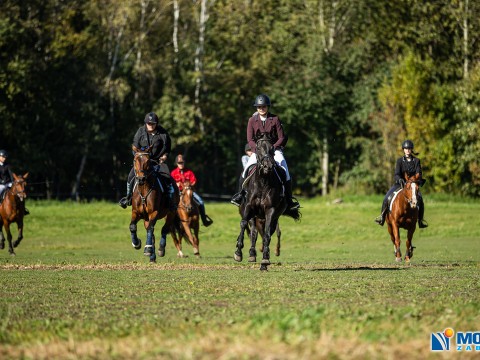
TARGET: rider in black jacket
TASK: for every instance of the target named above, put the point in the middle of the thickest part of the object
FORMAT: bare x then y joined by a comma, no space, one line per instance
406,164
152,134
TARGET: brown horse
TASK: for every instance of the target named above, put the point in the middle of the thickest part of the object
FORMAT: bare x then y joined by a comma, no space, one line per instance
12,210
404,214
186,221
150,203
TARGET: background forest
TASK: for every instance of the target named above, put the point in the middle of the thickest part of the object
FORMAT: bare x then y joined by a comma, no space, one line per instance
350,80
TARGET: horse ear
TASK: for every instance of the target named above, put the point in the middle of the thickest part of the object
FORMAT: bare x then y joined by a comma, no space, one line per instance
25,175
15,176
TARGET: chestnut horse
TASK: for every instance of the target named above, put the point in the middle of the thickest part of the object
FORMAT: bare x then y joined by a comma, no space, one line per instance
265,199
404,214
187,221
12,210
150,203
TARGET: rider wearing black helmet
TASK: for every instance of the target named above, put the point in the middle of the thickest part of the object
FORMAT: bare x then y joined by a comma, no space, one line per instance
409,164
262,121
6,175
152,134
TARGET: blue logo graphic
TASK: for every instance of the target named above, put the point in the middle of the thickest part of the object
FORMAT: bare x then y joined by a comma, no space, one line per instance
440,341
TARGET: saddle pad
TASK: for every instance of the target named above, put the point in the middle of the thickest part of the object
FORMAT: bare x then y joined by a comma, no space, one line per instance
393,199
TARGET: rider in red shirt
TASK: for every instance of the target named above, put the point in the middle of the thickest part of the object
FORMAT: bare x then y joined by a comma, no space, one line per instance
181,174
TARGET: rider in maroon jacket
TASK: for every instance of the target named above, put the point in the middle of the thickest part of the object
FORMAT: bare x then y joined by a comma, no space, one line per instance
261,122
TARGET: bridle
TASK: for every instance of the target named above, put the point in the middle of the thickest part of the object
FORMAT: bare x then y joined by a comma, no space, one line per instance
188,208
413,200
142,174
265,161
20,193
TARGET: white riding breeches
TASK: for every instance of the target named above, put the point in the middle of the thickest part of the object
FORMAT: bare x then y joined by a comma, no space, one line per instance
279,159
4,187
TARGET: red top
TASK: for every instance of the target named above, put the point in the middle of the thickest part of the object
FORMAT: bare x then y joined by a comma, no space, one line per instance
180,176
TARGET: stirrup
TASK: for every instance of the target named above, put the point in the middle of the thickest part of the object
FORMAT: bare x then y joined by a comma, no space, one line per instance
124,202
207,221
379,220
422,224
293,204
237,199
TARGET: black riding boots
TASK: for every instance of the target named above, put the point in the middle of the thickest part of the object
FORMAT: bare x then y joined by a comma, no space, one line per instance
421,211
206,221
239,197
380,220
127,200
292,203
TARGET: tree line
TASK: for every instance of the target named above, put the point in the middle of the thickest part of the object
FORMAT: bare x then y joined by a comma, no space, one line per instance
350,81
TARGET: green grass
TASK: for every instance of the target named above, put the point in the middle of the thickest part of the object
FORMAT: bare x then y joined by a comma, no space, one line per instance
77,289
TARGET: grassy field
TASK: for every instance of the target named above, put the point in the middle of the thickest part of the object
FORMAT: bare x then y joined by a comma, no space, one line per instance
77,288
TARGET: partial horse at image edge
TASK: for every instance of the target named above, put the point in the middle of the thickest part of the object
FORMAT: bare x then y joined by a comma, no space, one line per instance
12,210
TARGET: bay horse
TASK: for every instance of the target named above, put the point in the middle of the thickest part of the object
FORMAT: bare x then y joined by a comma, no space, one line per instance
12,210
265,199
404,214
150,203
187,222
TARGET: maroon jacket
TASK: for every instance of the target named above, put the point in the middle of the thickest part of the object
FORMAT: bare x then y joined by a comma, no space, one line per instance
273,126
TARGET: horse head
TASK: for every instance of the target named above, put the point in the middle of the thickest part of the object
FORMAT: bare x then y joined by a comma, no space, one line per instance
141,164
18,186
264,153
411,189
186,196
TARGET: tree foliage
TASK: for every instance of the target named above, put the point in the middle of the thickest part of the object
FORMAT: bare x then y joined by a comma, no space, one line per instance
349,80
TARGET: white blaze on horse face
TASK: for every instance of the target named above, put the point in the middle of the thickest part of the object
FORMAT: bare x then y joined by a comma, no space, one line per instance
414,195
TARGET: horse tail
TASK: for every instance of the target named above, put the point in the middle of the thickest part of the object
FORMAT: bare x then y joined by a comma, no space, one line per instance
295,214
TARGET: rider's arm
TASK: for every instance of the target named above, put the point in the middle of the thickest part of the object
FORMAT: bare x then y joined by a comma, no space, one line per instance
282,140
251,133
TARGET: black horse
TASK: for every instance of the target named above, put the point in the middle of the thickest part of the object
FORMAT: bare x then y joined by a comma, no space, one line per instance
265,198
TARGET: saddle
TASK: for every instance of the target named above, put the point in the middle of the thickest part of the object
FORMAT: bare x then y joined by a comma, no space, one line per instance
279,171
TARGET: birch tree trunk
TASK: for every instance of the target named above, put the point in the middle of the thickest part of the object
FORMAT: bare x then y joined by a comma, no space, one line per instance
199,62
176,17
465,41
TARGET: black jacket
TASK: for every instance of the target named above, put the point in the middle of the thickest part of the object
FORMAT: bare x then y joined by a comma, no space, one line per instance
411,167
159,139
6,175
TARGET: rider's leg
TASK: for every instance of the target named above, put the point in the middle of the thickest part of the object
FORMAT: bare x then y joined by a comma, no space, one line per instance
201,208
171,193
127,200
292,203
380,220
238,198
421,211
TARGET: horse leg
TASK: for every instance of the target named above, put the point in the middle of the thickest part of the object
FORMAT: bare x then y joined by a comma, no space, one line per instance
165,231
279,235
177,241
408,243
9,238
20,233
395,237
149,249
189,236
136,242
253,240
267,235
196,239
238,252
2,238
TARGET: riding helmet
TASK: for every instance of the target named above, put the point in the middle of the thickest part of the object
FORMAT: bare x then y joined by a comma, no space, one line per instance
262,100
151,118
407,144
3,153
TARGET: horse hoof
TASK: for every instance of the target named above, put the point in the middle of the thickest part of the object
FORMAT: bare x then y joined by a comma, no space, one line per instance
148,251
407,259
252,259
265,262
399,259
263,267
153,260
237,257
277,253
161,252
138,246
197,255
13,254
